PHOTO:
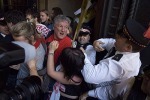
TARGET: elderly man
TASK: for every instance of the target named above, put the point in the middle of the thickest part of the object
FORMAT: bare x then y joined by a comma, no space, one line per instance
61,26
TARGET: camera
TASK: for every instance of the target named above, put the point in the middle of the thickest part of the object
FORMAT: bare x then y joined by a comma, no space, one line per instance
30,88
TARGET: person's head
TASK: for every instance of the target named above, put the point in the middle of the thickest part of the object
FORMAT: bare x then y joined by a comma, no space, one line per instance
61,26
3,25
131,37
56,11
13,17
84,35
44,16
145,87
32,16
24,31
72,60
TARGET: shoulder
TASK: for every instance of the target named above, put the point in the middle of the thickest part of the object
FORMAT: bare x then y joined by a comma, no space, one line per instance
117,57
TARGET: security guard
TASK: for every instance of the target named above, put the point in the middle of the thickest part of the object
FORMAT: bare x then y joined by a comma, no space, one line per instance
126,61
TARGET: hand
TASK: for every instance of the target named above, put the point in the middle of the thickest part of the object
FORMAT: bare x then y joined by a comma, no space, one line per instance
83,96
53,46
97,46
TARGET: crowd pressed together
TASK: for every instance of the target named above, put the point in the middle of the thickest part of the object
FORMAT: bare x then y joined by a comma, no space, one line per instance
72,72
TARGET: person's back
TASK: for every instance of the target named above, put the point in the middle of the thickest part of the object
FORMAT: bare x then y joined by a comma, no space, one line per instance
28,35
69,80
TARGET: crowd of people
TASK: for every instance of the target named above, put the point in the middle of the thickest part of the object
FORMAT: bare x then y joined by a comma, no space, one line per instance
72,72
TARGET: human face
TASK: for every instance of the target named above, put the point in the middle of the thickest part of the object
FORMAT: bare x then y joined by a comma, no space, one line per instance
83,39
29,18
43,17
61,29
146,85
4,29
21,38
121,44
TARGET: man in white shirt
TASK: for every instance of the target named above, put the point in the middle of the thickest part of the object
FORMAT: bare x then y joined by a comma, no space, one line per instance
125,63
83,40
134,88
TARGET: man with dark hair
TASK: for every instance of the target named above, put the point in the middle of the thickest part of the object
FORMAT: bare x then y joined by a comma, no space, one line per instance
56,11
13,17
83,40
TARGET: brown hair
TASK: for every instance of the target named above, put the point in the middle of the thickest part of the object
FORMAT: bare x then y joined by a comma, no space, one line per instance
48,14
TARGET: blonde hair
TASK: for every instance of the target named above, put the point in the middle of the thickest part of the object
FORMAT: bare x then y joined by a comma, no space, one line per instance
26,29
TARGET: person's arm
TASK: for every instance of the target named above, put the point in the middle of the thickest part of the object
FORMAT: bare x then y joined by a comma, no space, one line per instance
111,92
32,67
103,43
106,70
57,75
91,53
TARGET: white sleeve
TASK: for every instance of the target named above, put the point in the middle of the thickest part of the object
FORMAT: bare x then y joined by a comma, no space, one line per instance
113,91
106,70
108,43
91,54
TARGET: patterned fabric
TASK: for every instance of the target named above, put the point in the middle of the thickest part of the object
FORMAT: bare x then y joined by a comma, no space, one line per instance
42,29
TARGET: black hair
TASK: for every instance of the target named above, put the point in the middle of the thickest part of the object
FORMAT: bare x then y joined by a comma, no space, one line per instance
57,11
14,16
72,60
34,14
135,47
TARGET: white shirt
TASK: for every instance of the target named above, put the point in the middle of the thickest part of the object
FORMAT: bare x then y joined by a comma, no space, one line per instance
109,69
111,92
91,53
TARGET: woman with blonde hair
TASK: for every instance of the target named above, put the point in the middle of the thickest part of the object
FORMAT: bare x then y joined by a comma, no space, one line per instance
25,31
45,18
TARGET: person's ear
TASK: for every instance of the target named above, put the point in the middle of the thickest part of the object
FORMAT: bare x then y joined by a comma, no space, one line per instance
128,48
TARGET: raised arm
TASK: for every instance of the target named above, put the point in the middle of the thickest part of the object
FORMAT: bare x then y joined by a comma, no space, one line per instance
57,75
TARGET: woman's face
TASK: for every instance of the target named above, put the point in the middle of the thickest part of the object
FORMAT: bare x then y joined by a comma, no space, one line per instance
43,17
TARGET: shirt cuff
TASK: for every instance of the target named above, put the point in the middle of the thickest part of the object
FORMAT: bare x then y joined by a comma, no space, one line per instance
91,93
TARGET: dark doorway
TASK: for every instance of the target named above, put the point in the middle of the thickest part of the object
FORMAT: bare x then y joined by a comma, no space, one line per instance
21,5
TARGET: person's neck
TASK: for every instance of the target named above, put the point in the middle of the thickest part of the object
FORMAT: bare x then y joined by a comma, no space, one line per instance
56,38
